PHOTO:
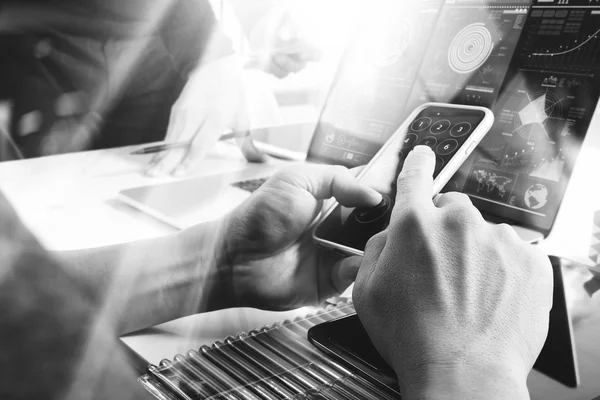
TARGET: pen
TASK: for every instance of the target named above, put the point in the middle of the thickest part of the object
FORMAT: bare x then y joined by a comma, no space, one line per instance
177,145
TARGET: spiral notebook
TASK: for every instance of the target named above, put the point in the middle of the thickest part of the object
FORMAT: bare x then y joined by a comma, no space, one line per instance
275,362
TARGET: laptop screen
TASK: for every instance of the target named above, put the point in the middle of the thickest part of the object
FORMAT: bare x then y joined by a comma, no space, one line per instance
519,173
535,63
367,100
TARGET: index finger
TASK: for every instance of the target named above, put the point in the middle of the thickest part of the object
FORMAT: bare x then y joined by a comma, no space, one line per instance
415,183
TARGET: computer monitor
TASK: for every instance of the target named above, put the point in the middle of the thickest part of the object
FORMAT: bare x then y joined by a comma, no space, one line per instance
535,63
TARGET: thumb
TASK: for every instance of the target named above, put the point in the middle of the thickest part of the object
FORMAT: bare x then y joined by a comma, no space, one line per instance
344,272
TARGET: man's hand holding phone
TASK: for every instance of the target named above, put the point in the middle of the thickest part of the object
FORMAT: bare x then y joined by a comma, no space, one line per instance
457,306
451,130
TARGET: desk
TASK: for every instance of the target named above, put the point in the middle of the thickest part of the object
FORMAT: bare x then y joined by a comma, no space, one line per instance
69,202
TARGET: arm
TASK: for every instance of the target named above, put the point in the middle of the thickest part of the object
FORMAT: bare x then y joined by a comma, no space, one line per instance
193,37
53,342
58,325
145,283
213,98
38,16
259,256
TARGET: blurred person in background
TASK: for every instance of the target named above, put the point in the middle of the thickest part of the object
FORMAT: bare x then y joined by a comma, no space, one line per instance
91,74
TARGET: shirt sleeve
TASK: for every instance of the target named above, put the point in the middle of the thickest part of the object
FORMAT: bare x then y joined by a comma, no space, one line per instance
54,342
192,35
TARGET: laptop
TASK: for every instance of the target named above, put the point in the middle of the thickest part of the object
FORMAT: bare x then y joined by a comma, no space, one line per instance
515,57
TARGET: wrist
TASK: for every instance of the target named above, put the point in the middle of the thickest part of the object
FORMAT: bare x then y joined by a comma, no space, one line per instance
207,245
465,381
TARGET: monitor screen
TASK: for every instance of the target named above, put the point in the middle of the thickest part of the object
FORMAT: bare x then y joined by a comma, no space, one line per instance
535,63
520,170
367,100
470,52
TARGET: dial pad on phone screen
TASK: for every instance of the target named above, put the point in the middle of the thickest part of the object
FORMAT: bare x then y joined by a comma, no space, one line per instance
444,130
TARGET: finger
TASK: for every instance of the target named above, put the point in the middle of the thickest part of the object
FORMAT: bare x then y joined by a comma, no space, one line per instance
344,272
289,63
166,162
153,168
452,198
185,127
373,251
277,71
324,182
207,135
250,151
415,183
176,132
177,122
187,162
241,124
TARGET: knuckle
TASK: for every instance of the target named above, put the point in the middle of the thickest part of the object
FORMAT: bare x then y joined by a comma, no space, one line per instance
450,198
361,293
409,215
358,292
412,220
460,214
366,295
339,169
457,196
506,233
376,241
411,172
541,261
289,173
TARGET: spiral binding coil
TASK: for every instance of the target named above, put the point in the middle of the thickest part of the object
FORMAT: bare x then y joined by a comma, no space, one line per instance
271,363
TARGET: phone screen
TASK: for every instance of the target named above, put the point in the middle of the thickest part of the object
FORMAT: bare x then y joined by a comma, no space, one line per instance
444,129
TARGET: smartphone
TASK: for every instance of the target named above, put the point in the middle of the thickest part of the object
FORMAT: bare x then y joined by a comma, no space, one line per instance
346,339
452,131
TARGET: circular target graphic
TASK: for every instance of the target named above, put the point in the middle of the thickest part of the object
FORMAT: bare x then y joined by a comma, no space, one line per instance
470,48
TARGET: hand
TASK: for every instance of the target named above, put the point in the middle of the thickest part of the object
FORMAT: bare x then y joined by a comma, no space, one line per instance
280,47
287,57
212,101
274,260
458,307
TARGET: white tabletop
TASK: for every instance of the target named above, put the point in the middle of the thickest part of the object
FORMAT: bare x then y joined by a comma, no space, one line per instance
70,202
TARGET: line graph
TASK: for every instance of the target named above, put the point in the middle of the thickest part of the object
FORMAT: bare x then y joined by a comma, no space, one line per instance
566,39
594,36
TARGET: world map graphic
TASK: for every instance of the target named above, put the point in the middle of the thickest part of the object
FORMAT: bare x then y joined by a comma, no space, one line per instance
491,182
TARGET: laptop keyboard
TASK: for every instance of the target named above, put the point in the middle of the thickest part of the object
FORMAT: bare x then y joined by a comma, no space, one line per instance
251,185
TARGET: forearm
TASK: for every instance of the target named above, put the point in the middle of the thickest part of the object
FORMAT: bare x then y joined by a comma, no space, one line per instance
16,17
194,37
465,382
144,283
55,343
